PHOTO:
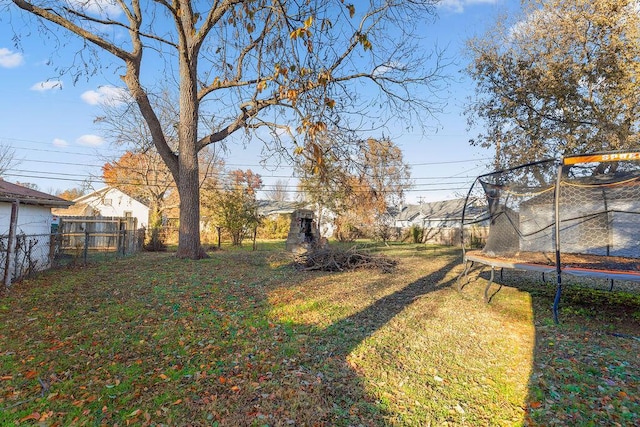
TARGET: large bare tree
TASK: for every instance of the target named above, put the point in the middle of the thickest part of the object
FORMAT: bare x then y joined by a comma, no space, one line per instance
292,67
279,191
562,79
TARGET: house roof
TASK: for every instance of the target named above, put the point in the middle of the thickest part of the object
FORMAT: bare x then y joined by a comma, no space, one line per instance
441,210
78,209
271,207
11,192
102,193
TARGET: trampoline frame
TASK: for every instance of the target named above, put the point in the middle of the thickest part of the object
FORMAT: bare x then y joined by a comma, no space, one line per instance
470,258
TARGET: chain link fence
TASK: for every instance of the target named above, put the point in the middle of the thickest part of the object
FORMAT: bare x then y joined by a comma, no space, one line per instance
33,253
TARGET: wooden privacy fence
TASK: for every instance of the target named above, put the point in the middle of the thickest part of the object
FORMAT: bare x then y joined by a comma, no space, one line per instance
99,234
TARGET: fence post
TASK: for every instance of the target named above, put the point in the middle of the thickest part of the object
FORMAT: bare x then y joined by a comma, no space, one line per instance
52,249
11,244
85,254
255,235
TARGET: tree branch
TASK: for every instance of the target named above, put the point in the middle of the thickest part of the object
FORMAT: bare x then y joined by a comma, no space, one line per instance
65,23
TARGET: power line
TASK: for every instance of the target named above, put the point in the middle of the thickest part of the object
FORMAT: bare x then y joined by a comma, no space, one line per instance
50,175
266,166
293,190
32,174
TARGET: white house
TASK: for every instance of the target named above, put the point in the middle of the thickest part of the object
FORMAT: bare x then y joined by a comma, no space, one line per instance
25,218
109,201
440,214
325,218
441,220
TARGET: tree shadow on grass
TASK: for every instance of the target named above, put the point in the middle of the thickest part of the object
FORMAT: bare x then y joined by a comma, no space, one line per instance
343,336
342,397
585,369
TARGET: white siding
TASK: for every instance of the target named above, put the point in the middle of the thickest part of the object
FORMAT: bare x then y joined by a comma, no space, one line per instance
31,219
34,228
116,203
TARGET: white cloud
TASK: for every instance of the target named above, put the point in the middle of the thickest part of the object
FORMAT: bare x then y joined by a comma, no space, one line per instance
458,6
9,59
47,85
388,68
60,143
106,95
103,8
90,140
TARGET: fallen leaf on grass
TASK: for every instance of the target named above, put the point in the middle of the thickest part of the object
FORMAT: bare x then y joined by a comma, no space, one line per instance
535,405
32,416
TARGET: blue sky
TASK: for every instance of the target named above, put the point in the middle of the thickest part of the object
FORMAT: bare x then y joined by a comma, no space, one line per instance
49,121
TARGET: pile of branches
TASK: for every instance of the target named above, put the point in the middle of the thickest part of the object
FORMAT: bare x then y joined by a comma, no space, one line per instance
330,259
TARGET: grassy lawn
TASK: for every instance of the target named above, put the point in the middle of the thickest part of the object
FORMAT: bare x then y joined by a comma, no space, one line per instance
243,339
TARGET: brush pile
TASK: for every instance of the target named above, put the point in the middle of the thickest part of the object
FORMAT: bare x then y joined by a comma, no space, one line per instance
330,259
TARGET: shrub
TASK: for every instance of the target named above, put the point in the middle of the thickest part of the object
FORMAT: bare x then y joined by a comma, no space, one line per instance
275,227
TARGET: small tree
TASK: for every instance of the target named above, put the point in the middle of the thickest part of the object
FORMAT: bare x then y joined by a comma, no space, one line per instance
275,227
278,191
7,158
234,206
359,187
72,193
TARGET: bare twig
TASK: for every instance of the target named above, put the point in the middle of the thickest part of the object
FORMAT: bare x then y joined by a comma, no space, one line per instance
329,259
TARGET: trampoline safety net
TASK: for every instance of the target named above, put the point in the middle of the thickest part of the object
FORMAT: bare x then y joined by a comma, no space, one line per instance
584,204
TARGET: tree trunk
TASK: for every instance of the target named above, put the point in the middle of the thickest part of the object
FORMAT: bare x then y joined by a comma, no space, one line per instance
189,229
188,181
188,184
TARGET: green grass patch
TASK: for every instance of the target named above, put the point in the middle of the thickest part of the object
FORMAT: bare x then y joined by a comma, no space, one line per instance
243,338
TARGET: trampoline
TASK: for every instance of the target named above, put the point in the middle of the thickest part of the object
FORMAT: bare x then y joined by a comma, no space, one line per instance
578,216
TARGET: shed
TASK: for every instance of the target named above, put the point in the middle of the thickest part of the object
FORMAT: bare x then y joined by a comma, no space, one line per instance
25,229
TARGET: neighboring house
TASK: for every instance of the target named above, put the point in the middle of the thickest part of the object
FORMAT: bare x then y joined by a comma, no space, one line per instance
441,220
33,221
108,202
445,213
324,218
604,222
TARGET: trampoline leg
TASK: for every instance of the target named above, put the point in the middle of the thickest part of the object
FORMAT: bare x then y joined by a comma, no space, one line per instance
611,287
486,290
467,267
556,303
